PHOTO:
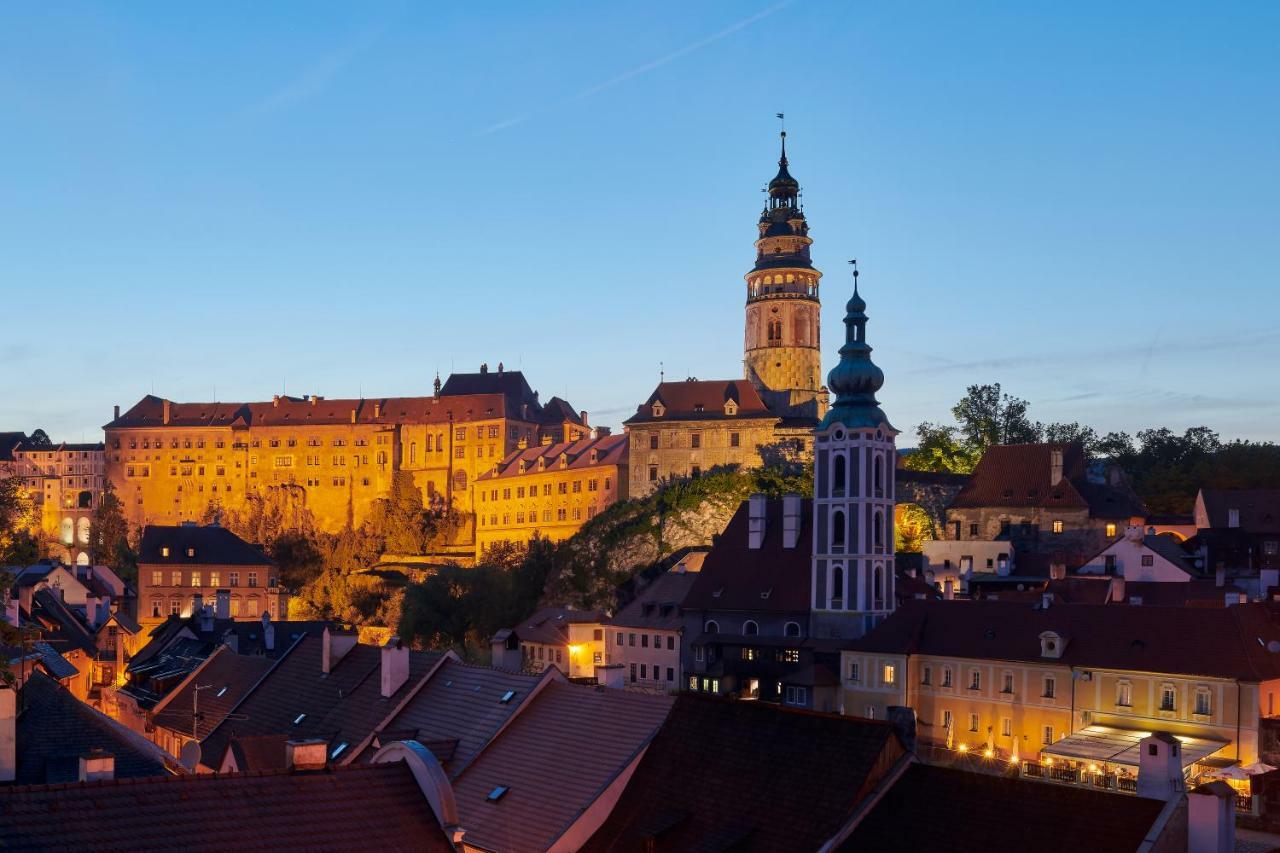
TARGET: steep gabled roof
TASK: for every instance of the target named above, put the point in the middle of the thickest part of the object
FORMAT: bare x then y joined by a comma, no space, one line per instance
768,579
940,808
55,729
508,384
659,604
1230,642
371,807
702,400
224,678
550,625
610,450
1259,508
554,760
297,698
211,544
1018,475
749,773
462,704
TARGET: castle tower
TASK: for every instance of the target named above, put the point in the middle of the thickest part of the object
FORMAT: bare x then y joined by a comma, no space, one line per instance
854,462
782,354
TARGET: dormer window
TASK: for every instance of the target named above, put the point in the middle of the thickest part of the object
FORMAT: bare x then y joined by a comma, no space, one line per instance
542,463
164,550
564,460
730,408
658,409
1052,644
191,552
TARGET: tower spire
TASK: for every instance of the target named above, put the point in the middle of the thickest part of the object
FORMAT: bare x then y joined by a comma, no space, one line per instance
856,379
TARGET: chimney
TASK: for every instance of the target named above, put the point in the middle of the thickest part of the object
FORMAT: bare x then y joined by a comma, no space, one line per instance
1046,600
1055,467
610,675
97,764
1116,593
395,666
275,401
484,367
903,720
583,417
268,633
8,733
602,432
206,618
377,410
1160,767
755,529
1220,576
1057,567
353,415
546,439
117,408
166,411
1211,819
790,520
949,589
336,645
309,754
197,605
222,605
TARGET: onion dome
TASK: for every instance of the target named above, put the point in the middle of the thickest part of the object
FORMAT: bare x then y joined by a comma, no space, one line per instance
856,379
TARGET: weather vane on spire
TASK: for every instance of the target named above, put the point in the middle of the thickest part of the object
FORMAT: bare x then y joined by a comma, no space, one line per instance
854,263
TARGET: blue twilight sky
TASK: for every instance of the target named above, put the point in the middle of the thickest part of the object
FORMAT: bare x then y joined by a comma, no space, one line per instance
1078,200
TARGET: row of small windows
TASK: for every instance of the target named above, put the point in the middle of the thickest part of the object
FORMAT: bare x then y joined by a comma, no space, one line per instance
839,528
563,487
840,476
561,514
751,628
644,640
195,579
695,439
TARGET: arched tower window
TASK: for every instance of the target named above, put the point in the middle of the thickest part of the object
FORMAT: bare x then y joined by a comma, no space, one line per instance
68,531
839,474
878,529
837,588
775,333
879,475
750,628
712,627
82,530
877,588
791,629
837,528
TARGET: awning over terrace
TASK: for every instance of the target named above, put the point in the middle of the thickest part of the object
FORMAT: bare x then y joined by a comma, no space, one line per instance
1104,744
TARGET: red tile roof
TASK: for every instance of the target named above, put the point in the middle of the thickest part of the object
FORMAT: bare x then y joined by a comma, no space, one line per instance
750,775
344,706
1231,642
943,809
1259,508
550,625
610,450
1018,475
554,758
459,703
371,807
769,579
701,400
659,604
227,677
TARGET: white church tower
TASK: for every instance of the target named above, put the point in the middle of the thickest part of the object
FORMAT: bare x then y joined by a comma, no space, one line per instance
854,461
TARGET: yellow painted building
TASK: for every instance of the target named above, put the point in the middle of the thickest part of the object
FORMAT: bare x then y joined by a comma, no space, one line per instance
550,490
173,462
1038,686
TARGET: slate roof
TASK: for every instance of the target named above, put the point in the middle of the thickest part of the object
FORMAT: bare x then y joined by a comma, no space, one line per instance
610,450
702,400
371,807
748,774
558,411
554,759
550,625
55,729
227,676
344,706
60,626
508,384
213,545
300,412
735,577
1230,642
8,441
458,710
658,604
1096,589
943,809
1018,475
1259,508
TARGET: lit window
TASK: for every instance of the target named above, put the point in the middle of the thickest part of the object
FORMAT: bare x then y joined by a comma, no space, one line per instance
890,675
1203,706
1006,727
1047,737
1111,531
1057,525
973,722
1124,694
1168,698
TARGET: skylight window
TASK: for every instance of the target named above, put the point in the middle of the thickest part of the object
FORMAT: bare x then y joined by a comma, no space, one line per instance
222,692
337,750
507,697
497,793
299,718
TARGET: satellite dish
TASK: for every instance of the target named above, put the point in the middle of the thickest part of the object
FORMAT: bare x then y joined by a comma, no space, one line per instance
1273,647
189,755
